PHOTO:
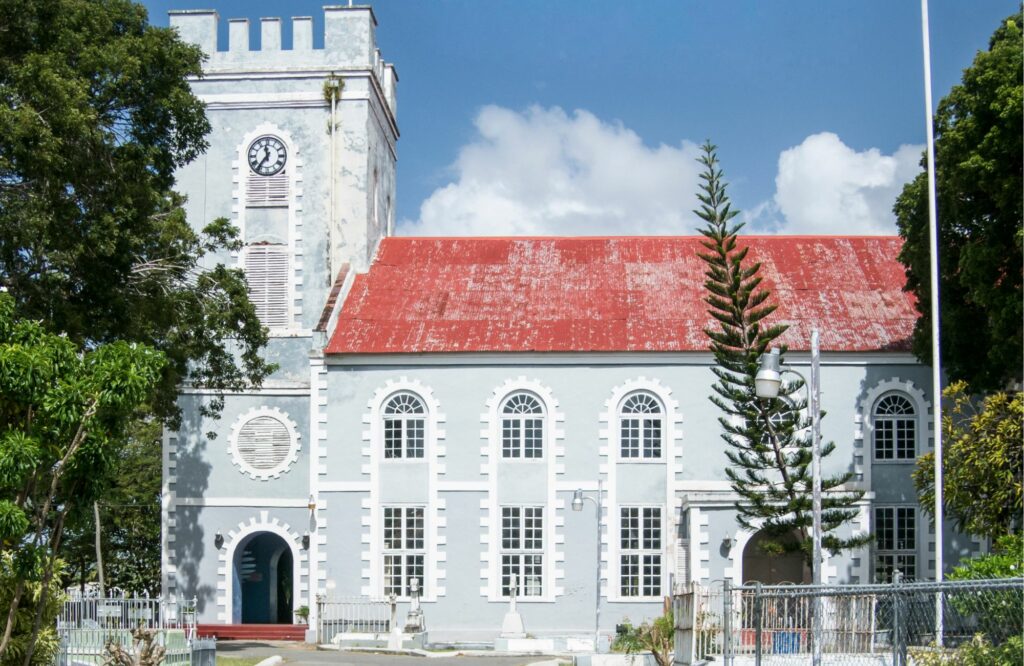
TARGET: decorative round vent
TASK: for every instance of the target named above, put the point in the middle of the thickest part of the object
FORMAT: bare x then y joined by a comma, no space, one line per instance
264,443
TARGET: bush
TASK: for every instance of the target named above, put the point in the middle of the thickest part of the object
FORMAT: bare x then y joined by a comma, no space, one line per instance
977,652
1000,613
657,637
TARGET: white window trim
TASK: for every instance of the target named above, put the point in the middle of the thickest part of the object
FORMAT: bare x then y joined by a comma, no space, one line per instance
522,551
920,563
663,416
672,460
372,516
554,508
293,451
665,539
545,440
404,551
424,416
240,170
864,436
916,417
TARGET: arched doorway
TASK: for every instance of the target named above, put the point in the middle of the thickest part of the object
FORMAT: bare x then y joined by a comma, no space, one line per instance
768,568
263,573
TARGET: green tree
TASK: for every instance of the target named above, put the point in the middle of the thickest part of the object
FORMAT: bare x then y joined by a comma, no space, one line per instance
770,462
982,463
129,519
64,415
96,114
978,161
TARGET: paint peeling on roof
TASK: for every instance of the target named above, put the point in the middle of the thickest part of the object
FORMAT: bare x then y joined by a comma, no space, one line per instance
637,294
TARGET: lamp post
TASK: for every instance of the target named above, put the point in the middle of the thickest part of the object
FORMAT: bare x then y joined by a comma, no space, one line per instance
766,385
577,505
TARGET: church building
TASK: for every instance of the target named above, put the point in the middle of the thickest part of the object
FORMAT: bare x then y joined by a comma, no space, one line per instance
439,401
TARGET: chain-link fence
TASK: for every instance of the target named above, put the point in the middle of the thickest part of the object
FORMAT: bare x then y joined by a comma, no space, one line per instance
894,624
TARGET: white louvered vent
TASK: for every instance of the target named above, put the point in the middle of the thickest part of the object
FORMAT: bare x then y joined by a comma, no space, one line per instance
266,270
263,443
267,190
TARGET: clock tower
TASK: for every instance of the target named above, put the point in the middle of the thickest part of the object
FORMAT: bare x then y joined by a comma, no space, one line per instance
301,156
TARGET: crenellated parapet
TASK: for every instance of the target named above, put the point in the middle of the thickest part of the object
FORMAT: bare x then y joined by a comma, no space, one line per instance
349,44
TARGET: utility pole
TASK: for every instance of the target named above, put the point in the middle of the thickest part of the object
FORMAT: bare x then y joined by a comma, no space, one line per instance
99,550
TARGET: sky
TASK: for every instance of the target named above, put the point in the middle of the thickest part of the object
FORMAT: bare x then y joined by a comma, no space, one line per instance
585,117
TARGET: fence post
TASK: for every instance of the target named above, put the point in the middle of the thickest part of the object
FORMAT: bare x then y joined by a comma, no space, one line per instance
758,614
899,647
727,622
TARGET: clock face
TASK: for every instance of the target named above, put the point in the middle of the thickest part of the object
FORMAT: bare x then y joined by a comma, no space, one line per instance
267,155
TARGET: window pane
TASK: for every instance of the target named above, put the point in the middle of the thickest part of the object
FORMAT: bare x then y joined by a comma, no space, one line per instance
652,438
629,528
630,438
533,438
392,438
511,432
652,528
629,572
414,438
533,535
652,575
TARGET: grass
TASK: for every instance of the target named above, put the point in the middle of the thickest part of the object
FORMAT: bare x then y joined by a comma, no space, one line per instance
238,661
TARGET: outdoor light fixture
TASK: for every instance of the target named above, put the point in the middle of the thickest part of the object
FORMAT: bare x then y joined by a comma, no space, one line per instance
577,505
218,540
305,541
767,383
769,376
728,542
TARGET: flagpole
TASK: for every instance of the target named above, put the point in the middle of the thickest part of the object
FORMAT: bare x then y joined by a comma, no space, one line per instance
933,247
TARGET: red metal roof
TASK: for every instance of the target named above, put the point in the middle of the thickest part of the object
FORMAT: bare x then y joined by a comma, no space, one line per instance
637,294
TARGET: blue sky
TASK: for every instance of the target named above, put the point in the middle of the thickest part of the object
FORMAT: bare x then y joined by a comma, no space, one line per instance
573,117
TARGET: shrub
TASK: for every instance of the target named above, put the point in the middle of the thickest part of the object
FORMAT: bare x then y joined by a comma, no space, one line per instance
657,637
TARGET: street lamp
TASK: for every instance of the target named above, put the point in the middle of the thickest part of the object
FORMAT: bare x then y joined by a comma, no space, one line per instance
577,505
766,385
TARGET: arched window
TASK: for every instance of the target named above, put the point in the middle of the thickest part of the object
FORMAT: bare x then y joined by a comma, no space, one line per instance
404,426
894,423
641,427
522,427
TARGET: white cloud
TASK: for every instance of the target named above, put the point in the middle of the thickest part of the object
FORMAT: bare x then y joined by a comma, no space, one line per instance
825,187
546,172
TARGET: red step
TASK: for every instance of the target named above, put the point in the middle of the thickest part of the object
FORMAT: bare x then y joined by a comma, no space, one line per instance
266,632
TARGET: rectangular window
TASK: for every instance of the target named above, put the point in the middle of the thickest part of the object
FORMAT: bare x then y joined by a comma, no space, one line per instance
522,438
640,438
895,542
894,439
522,550
403,438
266,273
640,557
404,548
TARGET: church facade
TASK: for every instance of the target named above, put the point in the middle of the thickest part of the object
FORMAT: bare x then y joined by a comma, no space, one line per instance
439,401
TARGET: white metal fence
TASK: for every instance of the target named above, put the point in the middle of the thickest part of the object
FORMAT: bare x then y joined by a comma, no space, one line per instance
87,624
346,615
861,624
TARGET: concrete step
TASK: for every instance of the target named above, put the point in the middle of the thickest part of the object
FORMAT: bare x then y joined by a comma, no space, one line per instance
268,632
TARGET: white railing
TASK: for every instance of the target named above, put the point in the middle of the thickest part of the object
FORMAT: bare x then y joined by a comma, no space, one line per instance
346,615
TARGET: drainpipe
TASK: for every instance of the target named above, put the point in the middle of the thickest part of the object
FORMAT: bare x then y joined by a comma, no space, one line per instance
332,217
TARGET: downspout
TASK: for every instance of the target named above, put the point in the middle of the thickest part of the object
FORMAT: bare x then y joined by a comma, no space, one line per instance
334,175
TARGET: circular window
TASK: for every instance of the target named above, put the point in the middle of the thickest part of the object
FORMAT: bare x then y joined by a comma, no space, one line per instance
264,443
